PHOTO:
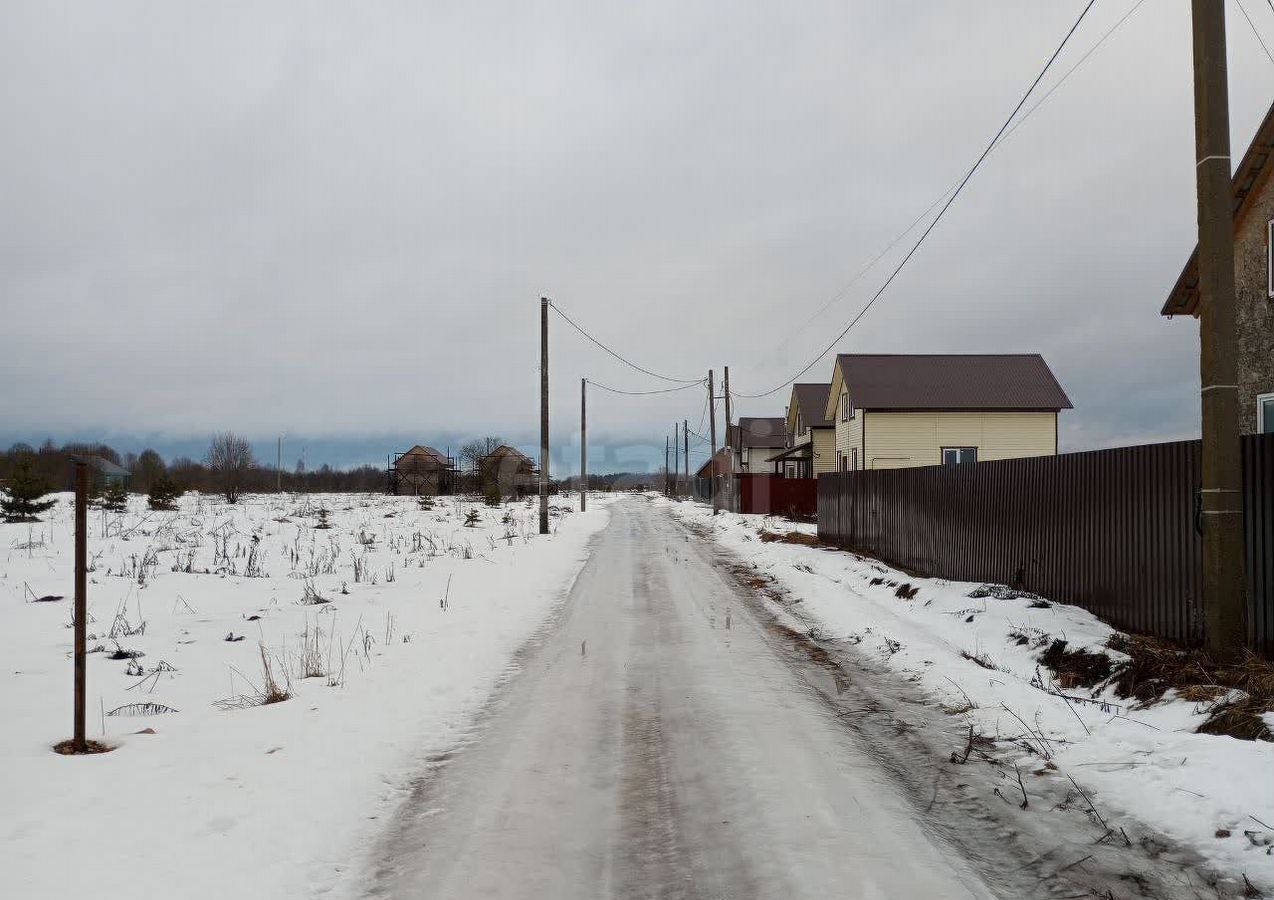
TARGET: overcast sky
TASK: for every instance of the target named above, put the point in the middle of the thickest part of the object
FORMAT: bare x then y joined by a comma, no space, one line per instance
334,220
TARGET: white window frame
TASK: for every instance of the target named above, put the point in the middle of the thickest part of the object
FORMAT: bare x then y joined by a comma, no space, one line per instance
1262,413
846,407
960,452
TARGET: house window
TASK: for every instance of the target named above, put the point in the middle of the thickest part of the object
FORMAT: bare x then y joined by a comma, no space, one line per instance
954,456
840,460
846,408
854,461
1265,414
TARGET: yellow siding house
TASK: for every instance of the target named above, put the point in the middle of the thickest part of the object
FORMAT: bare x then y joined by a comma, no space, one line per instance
898,411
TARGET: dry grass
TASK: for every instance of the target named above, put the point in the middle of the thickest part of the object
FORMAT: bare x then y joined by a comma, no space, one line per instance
67,748
1236,696
789,537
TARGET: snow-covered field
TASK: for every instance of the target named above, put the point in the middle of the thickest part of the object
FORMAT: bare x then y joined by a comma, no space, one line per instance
389,629
1212,793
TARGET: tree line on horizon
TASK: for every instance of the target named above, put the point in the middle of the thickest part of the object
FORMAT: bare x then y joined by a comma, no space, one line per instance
228,468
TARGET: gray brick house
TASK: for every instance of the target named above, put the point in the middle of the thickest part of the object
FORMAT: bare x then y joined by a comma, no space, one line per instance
1254,281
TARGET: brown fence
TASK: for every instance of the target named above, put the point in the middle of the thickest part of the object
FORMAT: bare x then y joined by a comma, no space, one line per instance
1113,531
795,498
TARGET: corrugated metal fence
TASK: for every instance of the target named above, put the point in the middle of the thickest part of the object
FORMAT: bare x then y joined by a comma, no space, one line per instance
1113,531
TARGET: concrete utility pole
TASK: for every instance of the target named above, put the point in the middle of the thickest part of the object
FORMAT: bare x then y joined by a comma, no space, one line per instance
583,445
278,468
712,421
685,438
1224,594
544,415
729,471
79,742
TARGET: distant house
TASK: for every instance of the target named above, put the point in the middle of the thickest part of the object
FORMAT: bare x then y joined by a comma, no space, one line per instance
754,442
515,473
898,411
107,474
810,435
714,467
1253,281
421,471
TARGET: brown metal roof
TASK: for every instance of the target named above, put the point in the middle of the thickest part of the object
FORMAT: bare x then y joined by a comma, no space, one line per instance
812,401
421,454
951,381
1249,178
764,432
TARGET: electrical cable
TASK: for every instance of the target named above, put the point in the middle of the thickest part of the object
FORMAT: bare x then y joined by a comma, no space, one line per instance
683,387
615,354
950,200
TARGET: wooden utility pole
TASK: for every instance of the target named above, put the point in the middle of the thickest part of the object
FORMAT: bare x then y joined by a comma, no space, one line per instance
676,460
712,422
79,742
583,445
729,466
1224,594
685,438
665,465
544,415
278,468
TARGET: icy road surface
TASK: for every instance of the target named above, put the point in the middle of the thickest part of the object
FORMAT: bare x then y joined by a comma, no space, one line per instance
656,745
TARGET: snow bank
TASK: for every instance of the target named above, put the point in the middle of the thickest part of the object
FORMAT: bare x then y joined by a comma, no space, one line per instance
1215,794
258,801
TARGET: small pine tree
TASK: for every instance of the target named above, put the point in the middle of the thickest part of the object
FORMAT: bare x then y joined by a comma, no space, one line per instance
114,498
164,492
323,514
22,492
491,492
471,519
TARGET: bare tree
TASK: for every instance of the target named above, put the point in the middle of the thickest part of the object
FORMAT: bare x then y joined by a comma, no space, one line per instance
230,461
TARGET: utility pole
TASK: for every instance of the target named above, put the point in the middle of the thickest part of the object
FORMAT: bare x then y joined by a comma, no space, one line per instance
1224,594
729,473
685,437
665,467
79,742
676,460
712,421
583,445
544,415
278,468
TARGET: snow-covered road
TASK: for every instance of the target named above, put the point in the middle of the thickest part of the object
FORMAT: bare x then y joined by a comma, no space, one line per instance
657,745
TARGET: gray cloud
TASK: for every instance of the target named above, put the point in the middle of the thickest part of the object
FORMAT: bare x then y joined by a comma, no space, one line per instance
336,219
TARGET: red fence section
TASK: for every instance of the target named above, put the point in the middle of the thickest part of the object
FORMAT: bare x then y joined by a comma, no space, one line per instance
1113,531
795,498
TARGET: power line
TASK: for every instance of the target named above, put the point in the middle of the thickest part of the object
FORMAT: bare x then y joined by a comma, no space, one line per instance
683,387
844,289
622,359
1255,33
959,188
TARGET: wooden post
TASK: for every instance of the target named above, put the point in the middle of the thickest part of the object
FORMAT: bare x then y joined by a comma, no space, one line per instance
583,445
79,742
685,437
676,460
712,421
729,470
544,415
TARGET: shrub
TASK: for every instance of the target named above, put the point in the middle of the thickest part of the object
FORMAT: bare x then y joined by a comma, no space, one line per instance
21,500
164,492
114,498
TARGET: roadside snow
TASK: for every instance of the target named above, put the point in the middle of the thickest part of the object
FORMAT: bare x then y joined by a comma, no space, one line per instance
257,801
1214,794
